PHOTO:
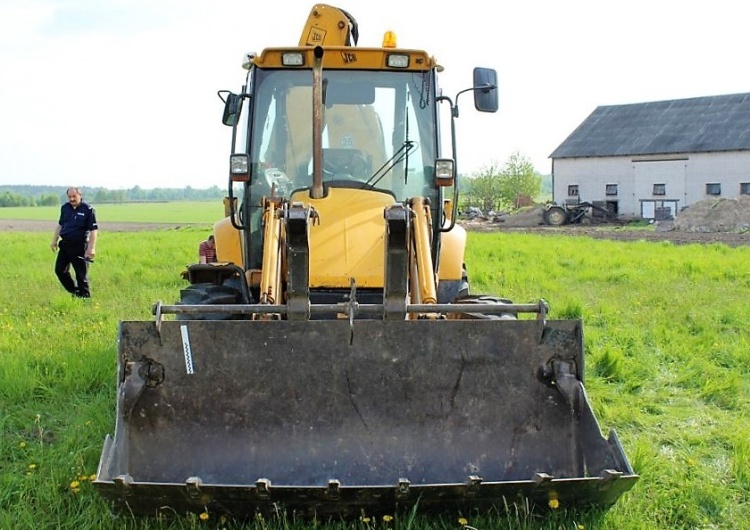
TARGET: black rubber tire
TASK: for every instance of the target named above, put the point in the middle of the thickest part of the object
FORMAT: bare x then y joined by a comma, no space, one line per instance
209,294
481,300
463,290
450,290
555,216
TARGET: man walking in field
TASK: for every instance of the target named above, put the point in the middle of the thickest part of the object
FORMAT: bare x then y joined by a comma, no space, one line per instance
75,238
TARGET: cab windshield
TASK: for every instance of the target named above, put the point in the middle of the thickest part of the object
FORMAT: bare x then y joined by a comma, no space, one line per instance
378,131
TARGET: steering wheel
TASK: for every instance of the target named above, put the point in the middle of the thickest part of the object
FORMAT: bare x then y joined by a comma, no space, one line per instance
345,164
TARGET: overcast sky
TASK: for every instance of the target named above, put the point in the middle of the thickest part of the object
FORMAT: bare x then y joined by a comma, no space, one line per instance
119,93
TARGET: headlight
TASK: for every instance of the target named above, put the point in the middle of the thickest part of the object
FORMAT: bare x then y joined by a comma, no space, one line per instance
397,60
239,164
444,172
292,59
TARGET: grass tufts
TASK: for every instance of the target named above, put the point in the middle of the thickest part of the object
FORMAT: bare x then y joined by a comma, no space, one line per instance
608,364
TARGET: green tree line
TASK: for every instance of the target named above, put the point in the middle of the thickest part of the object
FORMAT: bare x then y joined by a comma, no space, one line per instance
25,195
494,187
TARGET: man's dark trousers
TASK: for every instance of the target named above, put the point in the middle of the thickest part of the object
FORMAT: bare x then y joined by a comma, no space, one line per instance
71,253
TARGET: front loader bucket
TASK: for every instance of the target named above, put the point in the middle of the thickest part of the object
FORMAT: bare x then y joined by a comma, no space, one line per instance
320,418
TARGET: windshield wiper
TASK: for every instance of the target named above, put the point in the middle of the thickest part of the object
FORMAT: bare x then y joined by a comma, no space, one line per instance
403,153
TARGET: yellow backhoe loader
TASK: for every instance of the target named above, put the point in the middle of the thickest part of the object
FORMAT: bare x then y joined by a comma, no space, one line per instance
334,362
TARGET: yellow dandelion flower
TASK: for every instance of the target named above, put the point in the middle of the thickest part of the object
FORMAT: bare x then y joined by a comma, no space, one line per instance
92,478
75,484
365,520
554,504
32,466
462,521
387,518
580,527
22,445
203,516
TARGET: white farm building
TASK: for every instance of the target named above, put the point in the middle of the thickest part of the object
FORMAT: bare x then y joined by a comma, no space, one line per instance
653,159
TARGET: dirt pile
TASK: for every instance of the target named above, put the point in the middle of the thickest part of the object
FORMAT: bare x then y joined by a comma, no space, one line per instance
525,217
529,216
715,215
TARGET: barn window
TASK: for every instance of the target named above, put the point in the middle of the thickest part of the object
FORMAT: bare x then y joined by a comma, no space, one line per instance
660,189
713,188
573,190
611,189
744,188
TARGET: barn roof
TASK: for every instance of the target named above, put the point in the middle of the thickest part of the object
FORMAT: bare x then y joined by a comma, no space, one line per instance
694,125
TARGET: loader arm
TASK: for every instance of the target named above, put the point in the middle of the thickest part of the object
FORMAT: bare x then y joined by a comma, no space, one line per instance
329,26
270,286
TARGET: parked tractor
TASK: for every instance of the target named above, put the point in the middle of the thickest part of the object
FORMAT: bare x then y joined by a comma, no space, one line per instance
576,213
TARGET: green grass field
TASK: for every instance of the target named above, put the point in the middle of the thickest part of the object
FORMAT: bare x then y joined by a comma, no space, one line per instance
666,342
186,212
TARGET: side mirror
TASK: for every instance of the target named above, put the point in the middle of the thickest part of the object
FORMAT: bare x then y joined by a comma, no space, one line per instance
232,108
485,90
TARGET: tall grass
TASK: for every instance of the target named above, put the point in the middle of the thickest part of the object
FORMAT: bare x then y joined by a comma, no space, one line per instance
666,343
668,362
57,367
